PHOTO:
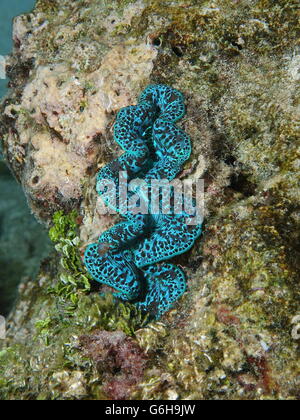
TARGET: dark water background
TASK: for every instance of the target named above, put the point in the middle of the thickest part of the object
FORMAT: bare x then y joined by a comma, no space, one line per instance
8,10
23,242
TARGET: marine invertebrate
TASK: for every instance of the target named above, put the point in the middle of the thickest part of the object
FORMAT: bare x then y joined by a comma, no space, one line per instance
127,256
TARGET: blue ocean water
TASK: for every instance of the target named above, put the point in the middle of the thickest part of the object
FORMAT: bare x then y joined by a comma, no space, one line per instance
23,242
8,10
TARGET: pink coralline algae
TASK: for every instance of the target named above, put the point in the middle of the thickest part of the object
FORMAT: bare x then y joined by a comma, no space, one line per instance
118,357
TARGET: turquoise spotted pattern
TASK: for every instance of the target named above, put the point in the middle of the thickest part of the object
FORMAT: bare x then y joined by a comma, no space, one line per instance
130,257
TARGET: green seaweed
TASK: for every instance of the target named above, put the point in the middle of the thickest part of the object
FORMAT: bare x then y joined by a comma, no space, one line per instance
74,280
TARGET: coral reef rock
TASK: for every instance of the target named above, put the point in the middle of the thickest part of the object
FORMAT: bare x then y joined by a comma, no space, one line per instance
235,332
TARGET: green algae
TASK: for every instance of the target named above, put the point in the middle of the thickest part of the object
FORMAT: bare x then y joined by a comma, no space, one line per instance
58,312
73,278
47,6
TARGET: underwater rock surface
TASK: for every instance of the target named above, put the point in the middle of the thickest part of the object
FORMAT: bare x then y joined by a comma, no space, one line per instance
234,333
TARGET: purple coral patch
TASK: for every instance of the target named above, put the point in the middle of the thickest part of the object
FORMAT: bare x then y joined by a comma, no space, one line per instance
119,358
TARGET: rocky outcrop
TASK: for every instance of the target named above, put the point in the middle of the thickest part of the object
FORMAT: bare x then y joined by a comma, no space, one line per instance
234,333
